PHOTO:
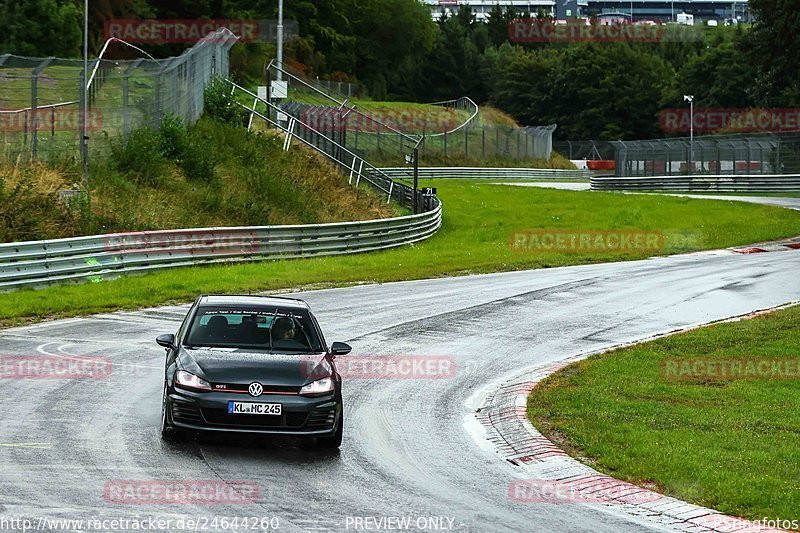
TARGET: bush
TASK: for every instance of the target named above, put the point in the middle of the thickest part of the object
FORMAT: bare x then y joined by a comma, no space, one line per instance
140,156
174,137
198,159
220,104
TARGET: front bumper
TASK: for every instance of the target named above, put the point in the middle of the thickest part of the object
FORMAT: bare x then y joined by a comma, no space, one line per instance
301,415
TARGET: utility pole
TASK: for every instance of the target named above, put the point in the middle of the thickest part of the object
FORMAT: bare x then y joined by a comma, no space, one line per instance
84,99
280,40
690,98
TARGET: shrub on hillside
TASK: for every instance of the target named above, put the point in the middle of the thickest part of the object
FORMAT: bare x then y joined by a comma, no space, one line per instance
140,156
198,160
174,137
220,104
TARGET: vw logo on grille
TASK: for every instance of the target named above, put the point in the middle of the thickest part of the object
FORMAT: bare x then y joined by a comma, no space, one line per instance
255,389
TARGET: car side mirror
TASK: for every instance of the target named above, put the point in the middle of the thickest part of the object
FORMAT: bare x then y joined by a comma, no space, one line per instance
167,340
340,348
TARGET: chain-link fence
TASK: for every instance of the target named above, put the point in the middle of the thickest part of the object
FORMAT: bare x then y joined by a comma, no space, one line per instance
387,140
585,149
386,132
768,153
477,141
40,98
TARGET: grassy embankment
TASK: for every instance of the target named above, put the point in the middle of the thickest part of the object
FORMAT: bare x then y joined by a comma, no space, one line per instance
229,178
726,444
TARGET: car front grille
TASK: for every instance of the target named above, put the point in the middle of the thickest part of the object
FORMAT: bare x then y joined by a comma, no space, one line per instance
221,418
243,388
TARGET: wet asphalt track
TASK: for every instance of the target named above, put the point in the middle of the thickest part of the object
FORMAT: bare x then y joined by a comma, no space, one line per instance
787,202
406,449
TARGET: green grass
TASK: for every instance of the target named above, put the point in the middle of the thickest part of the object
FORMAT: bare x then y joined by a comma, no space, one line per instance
479,221
729,445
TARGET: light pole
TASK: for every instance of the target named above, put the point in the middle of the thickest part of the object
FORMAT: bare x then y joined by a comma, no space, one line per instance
690,98
84,99
280,40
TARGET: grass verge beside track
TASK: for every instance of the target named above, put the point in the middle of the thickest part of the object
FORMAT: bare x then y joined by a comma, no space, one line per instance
479,220
730,445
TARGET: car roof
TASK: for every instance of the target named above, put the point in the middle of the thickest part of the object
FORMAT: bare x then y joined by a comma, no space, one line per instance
254,300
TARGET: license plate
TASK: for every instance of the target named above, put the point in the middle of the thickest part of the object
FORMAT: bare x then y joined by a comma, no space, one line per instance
247,408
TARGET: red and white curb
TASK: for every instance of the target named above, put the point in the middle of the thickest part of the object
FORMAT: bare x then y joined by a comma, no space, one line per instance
550,475
775,246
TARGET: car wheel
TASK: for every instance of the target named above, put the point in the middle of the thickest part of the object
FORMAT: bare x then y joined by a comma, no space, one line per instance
334,442
168,432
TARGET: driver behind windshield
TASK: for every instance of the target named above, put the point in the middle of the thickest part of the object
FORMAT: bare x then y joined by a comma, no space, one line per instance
284,335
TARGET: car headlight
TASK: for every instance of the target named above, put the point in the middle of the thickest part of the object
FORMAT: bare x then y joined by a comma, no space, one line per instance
318,387
190,381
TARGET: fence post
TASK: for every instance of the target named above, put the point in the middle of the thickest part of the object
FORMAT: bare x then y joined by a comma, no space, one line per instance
34,121
466,142
157,100
445,144
483,141
749,158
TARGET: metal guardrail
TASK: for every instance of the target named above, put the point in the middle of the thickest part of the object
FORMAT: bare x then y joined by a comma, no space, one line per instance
487,173
44,262
464,102
701,183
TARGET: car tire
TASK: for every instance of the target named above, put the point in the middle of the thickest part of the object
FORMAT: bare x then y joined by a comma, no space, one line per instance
168,433
334,442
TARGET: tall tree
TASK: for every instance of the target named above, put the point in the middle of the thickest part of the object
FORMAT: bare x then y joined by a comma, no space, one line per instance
773,45
41,28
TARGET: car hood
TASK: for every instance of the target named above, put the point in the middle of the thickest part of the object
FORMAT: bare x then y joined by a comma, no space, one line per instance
219,365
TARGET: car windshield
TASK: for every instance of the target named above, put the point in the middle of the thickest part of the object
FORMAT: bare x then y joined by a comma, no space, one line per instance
274,329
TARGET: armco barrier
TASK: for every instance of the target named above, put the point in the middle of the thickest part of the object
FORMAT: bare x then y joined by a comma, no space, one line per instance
701,183
43,262
487,173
